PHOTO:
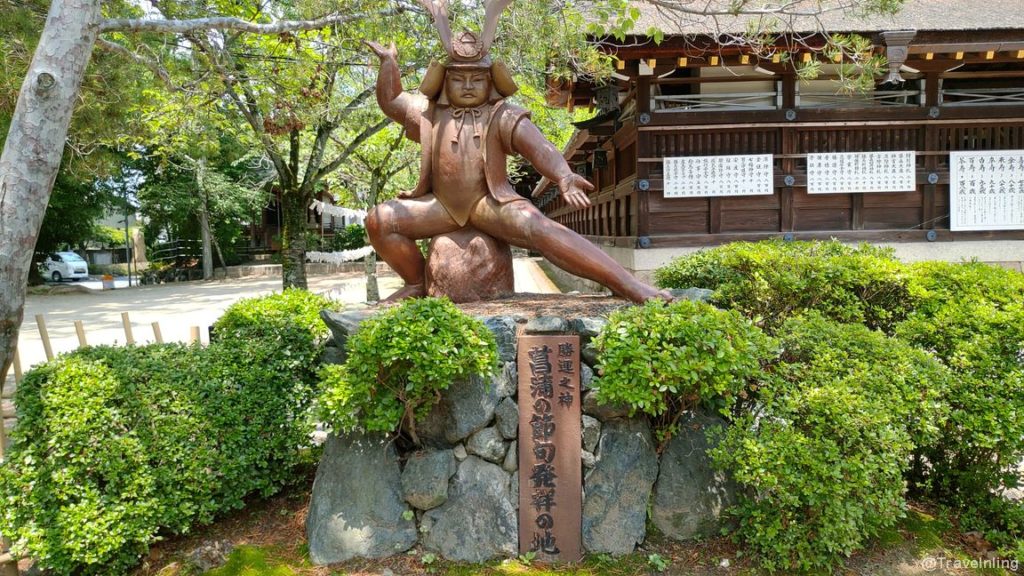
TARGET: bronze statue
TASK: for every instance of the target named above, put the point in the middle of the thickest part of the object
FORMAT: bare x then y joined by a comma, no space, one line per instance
466,129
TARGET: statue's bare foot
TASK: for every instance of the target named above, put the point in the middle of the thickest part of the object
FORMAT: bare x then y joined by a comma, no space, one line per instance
645,293
407,291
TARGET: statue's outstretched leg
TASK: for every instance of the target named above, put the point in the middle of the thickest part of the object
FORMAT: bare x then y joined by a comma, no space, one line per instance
522,224
394,227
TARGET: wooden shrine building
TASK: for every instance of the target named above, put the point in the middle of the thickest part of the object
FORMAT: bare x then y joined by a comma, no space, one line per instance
700,142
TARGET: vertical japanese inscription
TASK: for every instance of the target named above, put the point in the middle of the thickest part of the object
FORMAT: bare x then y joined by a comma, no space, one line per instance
550,485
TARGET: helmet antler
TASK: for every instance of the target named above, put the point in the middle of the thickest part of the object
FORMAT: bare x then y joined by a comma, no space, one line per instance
439,14
492,11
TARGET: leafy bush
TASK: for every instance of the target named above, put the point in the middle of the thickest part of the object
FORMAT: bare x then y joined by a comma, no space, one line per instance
400,360
288,322
662,360
972,317
115,446
773,280
824,455
351,238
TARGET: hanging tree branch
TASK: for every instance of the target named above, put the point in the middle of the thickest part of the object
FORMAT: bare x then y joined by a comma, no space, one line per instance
224,23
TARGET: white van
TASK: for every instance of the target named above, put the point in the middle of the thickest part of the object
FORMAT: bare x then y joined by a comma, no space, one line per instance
61,265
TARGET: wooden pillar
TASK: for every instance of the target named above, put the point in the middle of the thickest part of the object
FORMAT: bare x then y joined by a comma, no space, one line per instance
643,150
931,166
931,89
787,216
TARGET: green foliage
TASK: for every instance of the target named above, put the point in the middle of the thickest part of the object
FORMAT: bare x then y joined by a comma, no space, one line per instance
75,206
972,317
661,360
108,236
824,455
117,445
286,326
657,562
400,360
251,561
774,280
352,238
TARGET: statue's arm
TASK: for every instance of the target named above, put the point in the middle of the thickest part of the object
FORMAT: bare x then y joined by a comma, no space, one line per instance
528,142
400,106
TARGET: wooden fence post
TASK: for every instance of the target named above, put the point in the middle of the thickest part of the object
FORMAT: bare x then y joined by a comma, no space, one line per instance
17,367
129,339
80,330
44,336
157,336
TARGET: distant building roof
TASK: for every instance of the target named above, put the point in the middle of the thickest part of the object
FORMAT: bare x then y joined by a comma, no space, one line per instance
915,14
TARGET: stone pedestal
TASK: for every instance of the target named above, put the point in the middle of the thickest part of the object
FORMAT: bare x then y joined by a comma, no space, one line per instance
468,265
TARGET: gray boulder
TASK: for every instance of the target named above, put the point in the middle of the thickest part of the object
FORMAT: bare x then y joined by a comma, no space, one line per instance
466,407
586,377
511,463
591,433
506,417
478,522
333,355
690,494
506,381
356,509
487,444
504,329
425,478
588,459
547,325
618,488
589,355
588,328
602,412
344,324
695,294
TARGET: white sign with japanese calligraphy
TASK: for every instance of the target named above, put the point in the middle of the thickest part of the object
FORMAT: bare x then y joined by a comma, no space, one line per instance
986,190
853,172
710,176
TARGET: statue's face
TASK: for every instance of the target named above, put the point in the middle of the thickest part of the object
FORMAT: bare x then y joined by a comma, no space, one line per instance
467,88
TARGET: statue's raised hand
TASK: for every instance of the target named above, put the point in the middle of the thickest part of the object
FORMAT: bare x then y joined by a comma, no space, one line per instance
389,53
574,189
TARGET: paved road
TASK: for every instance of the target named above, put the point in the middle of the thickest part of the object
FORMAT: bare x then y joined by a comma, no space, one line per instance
179,306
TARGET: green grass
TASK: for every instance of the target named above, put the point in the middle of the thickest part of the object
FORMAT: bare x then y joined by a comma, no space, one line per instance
251,561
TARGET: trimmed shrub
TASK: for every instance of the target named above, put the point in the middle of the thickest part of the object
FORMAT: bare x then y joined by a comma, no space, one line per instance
116,446
662,360
773,280
972,317
288,321
823,456
400,360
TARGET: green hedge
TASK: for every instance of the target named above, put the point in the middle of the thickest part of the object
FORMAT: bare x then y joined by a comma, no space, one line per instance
773,280
117,446
398,363
664,360
960,444
823,456
972,317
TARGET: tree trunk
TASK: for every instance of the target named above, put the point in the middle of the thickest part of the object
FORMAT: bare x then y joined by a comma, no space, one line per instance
220,256
293,239
32,152
204,225
204,219
372,290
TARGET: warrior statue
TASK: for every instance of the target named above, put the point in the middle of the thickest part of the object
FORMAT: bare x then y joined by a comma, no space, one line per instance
466,129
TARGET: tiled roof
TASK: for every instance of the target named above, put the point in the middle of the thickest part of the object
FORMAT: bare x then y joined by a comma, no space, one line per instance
916,14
